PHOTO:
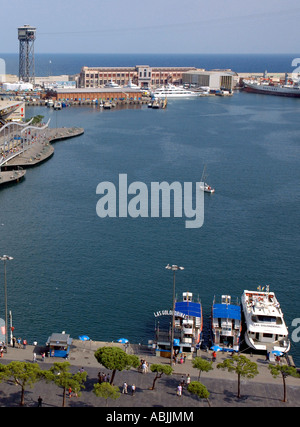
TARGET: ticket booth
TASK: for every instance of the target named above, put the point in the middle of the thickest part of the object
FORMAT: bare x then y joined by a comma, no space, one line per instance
59,345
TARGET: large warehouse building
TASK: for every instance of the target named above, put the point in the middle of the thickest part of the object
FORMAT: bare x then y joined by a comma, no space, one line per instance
141,75
215,79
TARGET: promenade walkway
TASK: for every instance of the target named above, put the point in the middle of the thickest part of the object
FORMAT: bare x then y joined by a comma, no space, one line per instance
262,391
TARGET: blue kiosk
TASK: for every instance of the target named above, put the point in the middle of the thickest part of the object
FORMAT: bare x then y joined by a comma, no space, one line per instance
59,345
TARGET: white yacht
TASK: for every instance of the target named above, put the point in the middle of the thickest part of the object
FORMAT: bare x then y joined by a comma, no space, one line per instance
112,85
266,329
172,91
131,85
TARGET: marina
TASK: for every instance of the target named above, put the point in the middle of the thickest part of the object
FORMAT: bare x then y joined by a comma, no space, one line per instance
69,225
215,130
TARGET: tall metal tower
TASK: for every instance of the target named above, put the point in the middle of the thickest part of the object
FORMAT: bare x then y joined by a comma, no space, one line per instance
26,36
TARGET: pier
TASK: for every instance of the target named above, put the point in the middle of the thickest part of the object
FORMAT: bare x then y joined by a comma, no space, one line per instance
263,390
39,151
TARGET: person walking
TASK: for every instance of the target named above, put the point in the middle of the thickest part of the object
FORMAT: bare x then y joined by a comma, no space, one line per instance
133,390
179,390
124,391
34,357
40,401
188,380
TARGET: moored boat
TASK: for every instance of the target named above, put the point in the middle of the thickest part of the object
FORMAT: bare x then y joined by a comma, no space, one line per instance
187,328
265,325
226,324
270,88
172,91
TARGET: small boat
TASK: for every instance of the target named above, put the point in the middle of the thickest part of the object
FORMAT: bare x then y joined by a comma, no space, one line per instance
57,105
155,104
226,324
188,325
203,185
265,325
107,105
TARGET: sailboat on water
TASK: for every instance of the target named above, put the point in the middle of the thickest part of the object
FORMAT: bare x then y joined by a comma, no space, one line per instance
203,184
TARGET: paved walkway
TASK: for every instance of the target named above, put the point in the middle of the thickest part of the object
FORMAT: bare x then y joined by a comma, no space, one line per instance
262,391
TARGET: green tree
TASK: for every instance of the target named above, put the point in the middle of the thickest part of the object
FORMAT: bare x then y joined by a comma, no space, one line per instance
107,391
115,359
242,366
202,365
36,120
160,370
22,374
199,390
285,371
60,374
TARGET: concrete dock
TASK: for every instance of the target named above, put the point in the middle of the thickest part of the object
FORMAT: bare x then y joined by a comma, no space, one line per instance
40,150
8,177
263,390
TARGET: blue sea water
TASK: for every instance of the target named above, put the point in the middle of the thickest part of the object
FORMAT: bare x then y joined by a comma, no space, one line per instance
58,64
105,278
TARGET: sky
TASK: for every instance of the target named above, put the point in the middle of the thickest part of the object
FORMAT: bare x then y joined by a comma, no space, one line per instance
153,26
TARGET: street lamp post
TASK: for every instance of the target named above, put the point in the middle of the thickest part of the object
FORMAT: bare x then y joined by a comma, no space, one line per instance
174,268
5,258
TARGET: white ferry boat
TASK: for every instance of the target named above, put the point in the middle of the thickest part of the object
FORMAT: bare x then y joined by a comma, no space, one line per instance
172,91
266,329
226,324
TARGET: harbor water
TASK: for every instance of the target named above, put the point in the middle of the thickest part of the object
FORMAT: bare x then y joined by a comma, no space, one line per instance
106,277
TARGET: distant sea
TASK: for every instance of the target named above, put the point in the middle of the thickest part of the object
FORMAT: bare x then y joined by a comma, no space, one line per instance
57,64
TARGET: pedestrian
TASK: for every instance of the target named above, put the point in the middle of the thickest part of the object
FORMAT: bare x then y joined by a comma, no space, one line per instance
24,344
182,381
179,390
133,390
43,356
188,380
181,360
107,378
34,357
214,356
14,342
19,342
124,391
40,401
70,392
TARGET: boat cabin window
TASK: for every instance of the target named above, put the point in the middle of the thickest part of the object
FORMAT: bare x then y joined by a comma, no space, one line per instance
267,319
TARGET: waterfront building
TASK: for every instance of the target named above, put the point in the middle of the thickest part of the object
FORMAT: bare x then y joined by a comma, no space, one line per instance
141,75
95,94
214,79
11,111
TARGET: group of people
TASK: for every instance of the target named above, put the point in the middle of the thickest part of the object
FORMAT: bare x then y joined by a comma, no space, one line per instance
183,383
103,378
177,358
18,342
125,389
144,366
